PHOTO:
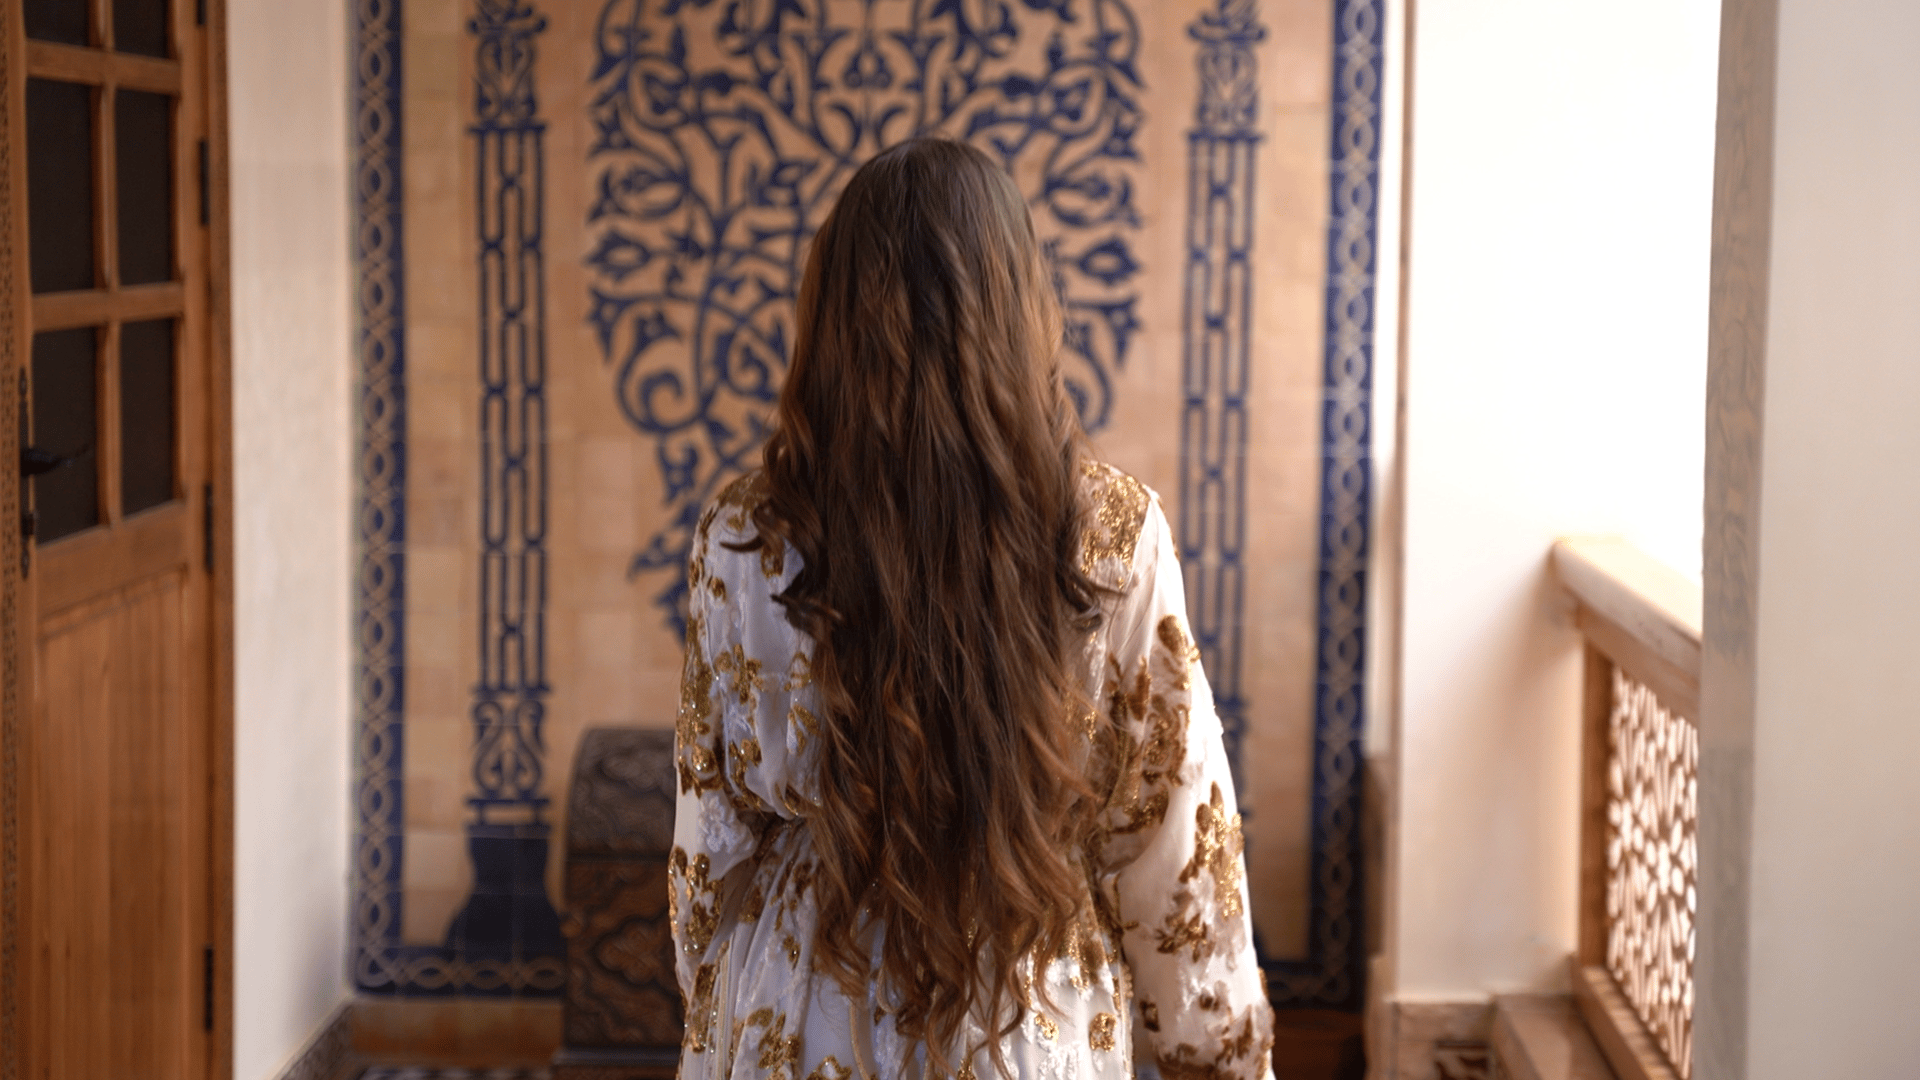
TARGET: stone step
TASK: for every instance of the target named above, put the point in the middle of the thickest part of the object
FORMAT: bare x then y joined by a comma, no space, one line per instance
1541,1037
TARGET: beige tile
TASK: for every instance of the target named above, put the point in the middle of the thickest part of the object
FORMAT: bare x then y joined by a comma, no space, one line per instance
437,858
607,636
440,347
436,637
436,688
440,519
442,18
437,577
438,763
1296,58
438,463
443,287
427,912
609,521
439,409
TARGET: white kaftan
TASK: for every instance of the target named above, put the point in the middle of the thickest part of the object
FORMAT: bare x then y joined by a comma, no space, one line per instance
1171,975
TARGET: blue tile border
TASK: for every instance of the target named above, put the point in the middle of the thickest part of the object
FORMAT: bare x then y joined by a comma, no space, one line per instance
506,940
1335,976
380,547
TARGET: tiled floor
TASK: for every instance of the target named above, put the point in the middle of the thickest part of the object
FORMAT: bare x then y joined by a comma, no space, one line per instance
419,1073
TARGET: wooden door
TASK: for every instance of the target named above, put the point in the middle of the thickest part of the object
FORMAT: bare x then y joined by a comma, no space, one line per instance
107,148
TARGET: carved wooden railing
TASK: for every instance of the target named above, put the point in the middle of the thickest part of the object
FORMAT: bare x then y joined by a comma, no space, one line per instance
1633,973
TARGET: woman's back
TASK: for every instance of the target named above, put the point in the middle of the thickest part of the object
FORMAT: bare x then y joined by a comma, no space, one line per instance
1161,958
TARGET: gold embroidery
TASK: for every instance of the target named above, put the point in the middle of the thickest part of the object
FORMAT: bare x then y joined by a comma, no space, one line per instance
742,756
1119,509
702,898
805,725
701,1012
754,903
1240,1049
676,871
1149,1015
1190,933
1136,795
743,674
1100,1031
799,878
1253,1034
696,750
773,557
1083,948
1166,746
1166,749
793,951
733,1040
966,1072
831,1069
743,496
1182,654
1217,844
779,1051
1145,766
1048,1029
718,587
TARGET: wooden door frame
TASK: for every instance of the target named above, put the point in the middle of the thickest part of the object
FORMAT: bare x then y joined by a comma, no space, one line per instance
16,606
16,599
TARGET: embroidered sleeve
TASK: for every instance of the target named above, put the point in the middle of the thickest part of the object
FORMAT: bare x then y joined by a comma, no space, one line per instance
1169,848
713,831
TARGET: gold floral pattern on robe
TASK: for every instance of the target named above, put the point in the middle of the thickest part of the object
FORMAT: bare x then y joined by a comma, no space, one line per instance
1166,923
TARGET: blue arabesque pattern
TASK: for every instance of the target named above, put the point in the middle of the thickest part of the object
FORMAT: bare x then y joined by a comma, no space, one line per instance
723,132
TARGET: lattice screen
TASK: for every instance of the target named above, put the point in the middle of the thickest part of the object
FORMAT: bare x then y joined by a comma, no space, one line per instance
1652,785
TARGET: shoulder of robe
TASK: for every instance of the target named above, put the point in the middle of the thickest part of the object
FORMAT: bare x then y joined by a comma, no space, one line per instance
1116,513
733,508
731,513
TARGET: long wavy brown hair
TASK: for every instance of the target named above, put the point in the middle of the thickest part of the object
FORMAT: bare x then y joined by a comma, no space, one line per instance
924,463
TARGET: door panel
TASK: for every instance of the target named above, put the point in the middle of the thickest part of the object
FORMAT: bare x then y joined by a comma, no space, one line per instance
112,790
107,132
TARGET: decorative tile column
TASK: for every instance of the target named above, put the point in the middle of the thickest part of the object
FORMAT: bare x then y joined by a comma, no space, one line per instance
509,916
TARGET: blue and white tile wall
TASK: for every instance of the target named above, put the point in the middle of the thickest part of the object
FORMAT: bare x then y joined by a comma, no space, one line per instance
580,228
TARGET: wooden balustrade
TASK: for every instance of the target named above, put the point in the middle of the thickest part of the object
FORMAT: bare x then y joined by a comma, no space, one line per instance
1633,971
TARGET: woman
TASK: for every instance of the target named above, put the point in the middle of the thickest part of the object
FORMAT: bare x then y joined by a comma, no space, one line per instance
953,799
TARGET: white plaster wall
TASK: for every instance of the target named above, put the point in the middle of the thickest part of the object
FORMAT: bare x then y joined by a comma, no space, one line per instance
1561,202
292,377
1836,850
1383,556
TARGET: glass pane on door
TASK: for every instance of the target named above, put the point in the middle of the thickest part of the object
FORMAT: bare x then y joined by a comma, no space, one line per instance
60,185
64,21
140,26
146,415
65,393
143,168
